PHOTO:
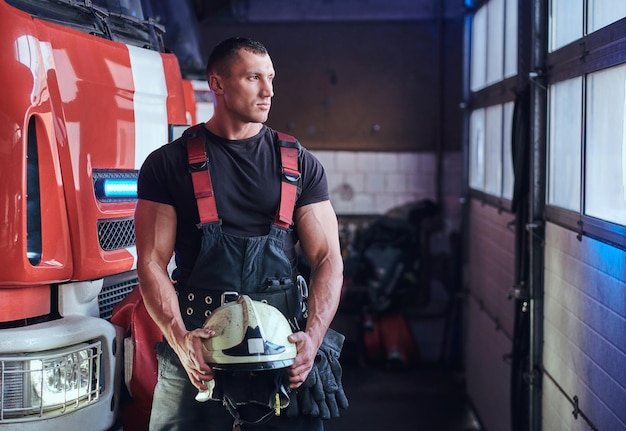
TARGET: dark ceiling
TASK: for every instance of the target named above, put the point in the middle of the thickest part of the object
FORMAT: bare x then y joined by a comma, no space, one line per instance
212,9
324,10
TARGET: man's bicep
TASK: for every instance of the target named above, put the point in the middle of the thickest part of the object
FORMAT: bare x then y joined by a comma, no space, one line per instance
155,231
317,230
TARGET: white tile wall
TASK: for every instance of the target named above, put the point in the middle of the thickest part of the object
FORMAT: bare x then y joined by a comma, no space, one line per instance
363,183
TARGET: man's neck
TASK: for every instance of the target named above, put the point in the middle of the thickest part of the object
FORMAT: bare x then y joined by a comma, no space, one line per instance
231,131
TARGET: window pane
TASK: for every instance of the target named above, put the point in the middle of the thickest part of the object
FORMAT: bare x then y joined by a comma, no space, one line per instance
566,22
479,49
493,150
507,158
510,37
605,12
564,146
605,158
477,149
495,41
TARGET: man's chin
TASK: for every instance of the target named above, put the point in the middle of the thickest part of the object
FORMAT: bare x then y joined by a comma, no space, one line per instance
260,118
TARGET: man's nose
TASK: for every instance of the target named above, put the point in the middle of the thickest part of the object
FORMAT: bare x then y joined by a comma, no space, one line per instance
267,89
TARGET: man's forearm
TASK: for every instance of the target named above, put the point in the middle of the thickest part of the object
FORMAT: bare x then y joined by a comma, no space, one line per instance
319,239
155,231
161,302
324,295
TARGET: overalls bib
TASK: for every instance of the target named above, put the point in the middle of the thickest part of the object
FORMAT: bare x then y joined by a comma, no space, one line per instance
230,265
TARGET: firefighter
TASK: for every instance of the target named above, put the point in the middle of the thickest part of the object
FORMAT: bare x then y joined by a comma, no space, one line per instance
228,200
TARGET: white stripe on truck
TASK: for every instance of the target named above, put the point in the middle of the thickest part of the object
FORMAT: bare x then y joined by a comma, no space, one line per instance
150,102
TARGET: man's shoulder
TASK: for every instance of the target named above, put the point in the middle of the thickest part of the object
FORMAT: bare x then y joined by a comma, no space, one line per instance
168,153
193,131
279,139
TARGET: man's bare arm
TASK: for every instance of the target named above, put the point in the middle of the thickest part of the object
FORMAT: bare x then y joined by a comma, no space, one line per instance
319,240
155,229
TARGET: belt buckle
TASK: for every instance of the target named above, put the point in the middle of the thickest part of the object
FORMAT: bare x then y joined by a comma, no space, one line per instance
228,293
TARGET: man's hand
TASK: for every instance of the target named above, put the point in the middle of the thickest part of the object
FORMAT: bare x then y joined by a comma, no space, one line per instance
307,349
189,351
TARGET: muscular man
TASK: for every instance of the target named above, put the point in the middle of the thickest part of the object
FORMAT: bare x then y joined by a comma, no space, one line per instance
243,248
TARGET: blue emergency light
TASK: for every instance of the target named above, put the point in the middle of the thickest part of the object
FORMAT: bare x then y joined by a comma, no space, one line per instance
116,189
120,188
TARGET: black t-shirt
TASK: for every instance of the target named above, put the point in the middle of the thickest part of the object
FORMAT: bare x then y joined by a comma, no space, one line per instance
246,177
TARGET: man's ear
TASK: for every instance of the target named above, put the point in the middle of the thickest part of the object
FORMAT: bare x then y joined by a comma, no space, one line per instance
215,84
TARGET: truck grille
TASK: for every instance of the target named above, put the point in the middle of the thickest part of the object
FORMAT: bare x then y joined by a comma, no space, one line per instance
115,234
111,294
11,386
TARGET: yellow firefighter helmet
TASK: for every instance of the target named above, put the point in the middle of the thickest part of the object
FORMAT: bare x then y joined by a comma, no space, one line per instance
249,336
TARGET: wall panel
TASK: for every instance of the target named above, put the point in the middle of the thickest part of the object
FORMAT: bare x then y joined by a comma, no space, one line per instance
491,263
488,374
490,315
585,327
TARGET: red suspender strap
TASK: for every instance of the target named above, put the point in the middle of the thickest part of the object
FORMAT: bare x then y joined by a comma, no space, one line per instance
289,147
203,189
201,178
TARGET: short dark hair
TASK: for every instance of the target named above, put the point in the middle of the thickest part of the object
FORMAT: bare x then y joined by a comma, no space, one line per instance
227,49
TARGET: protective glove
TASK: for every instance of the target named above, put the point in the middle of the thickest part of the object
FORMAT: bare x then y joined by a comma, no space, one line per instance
322,395
317,393
342,399
307,398
330,373
304,400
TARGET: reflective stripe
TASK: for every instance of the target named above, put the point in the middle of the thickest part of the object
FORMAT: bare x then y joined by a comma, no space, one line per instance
149,102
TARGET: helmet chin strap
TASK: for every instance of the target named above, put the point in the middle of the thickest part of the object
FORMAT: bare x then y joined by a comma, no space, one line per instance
240,410
205,395
281,401
234,412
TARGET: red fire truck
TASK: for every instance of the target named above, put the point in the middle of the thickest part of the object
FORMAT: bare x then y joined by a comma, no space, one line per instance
88,92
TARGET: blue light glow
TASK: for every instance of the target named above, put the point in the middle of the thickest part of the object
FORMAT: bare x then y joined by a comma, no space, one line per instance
116,188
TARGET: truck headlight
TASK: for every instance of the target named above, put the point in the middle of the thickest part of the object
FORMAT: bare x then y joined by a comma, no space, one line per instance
50,383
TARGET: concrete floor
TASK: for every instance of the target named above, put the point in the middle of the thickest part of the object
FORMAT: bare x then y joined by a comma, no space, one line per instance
421,398
426,395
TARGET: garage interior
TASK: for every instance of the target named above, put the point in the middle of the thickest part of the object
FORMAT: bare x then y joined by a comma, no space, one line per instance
377,81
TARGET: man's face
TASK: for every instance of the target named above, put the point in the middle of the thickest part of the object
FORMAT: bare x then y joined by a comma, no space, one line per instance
247,91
